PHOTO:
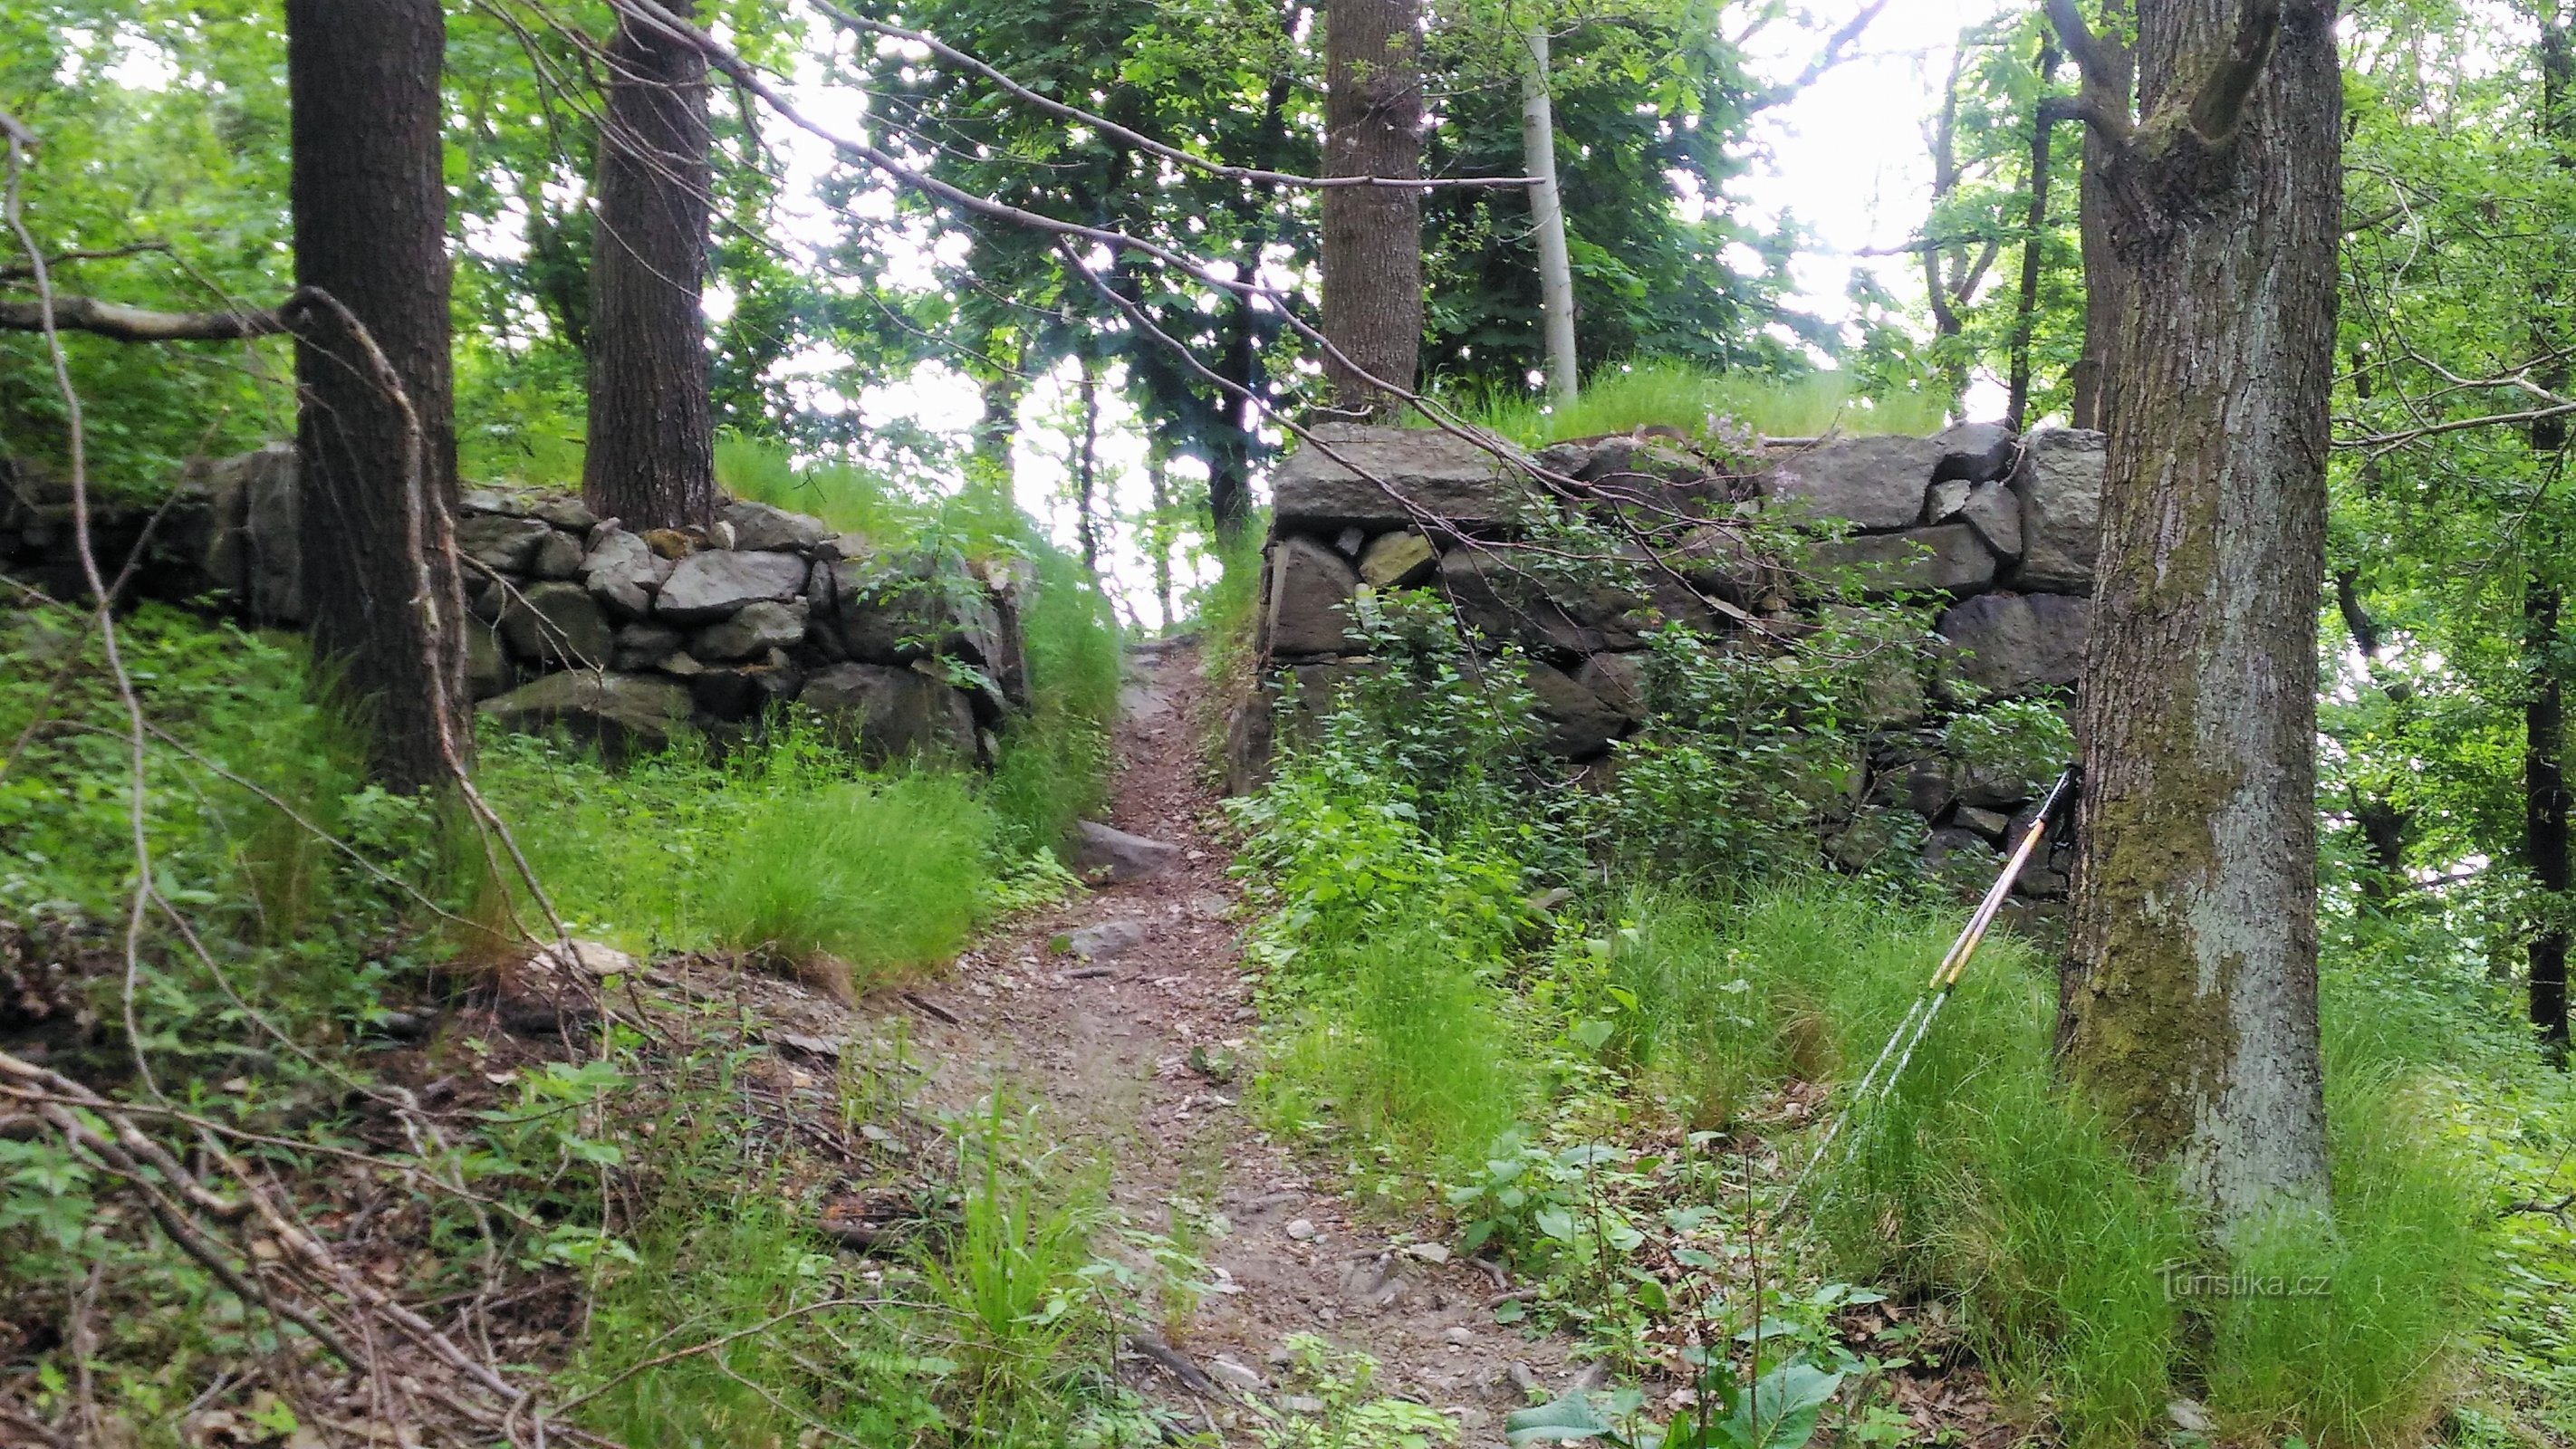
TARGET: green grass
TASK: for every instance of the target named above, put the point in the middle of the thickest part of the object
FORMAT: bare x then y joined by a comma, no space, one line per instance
976,521
1656,393
885,874
1982,1182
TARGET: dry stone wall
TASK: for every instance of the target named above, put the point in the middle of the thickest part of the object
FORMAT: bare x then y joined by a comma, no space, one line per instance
630,639
1997,533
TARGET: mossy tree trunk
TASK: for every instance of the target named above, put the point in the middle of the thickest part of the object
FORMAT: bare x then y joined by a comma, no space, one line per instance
375,435
1372,244
651,454
2193,985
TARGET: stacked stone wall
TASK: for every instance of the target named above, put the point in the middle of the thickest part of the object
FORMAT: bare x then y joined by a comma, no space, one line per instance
1995,533
632,639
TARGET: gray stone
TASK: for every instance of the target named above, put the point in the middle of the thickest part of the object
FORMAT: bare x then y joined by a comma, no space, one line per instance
1961,859
2014,643
1928,790
491,500
1581,727
557,556
1307,588
1945,556
2060,486
1991,824
487,669
565,512
643,646
1976,453
1874,483
272,535
500,542
1617,680
680,665
1723,560
1496,598
1105,853
1347,542
1437,473
894,615
708,586
624,572
621,713
557,623
1102,941
893,712
1395,560
1991,509
762,625
758,527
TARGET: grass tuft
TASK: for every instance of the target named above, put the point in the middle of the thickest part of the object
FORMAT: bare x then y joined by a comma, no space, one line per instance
1652,392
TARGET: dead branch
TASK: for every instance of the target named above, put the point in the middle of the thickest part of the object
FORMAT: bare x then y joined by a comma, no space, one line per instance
120,323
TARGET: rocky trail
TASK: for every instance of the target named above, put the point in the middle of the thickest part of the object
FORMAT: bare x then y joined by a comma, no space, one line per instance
1122,1050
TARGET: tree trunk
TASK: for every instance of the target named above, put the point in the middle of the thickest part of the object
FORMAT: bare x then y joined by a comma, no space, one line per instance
1372,245
2545,810
2193,980
2033,245
379,471
997,428
651,459
2093,227
2544,713
1159,484
1547,217
1086,467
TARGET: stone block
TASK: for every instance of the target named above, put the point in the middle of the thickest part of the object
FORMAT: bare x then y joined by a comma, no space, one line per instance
487,667
644,646
758,527
2060,487
1498,599
272,534
621,713
1397,560
1946,557
897,614
1872,483
760,626
1992,510
1976,453
2015,643
893,712
1580,725
624,572
557,556
565,511
1437,473
1723,559
1618,681
709,586
555,622
1302,607
500,542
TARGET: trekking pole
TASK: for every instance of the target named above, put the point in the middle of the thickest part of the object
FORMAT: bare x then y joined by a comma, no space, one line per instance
1936,992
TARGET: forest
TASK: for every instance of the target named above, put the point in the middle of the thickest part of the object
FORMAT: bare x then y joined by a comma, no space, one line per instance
805,722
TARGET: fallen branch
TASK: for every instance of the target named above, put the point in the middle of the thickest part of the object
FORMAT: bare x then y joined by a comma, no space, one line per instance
121,323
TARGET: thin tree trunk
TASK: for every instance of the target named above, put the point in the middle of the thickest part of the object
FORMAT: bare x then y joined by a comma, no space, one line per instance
2093,227
1158,482
370,218
1372,244
1229,451
1086,467
2193,986
2034,244
1547,218
2545,811
988,458
2544,712
651,458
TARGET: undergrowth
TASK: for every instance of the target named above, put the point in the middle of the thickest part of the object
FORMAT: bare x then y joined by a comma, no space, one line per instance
1443,1036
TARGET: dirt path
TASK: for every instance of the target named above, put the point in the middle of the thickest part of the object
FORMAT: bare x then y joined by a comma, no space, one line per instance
1106,1046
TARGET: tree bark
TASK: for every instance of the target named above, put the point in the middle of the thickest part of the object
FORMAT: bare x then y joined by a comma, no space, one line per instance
1372,244
2033,245
120,323
2093,227
1086,467
379,477
1547,218
2545,811
2192,988
2544,713
651,456
1159,490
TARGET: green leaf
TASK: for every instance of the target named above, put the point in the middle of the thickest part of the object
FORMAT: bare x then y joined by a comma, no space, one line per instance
1781,1410
1570,1416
